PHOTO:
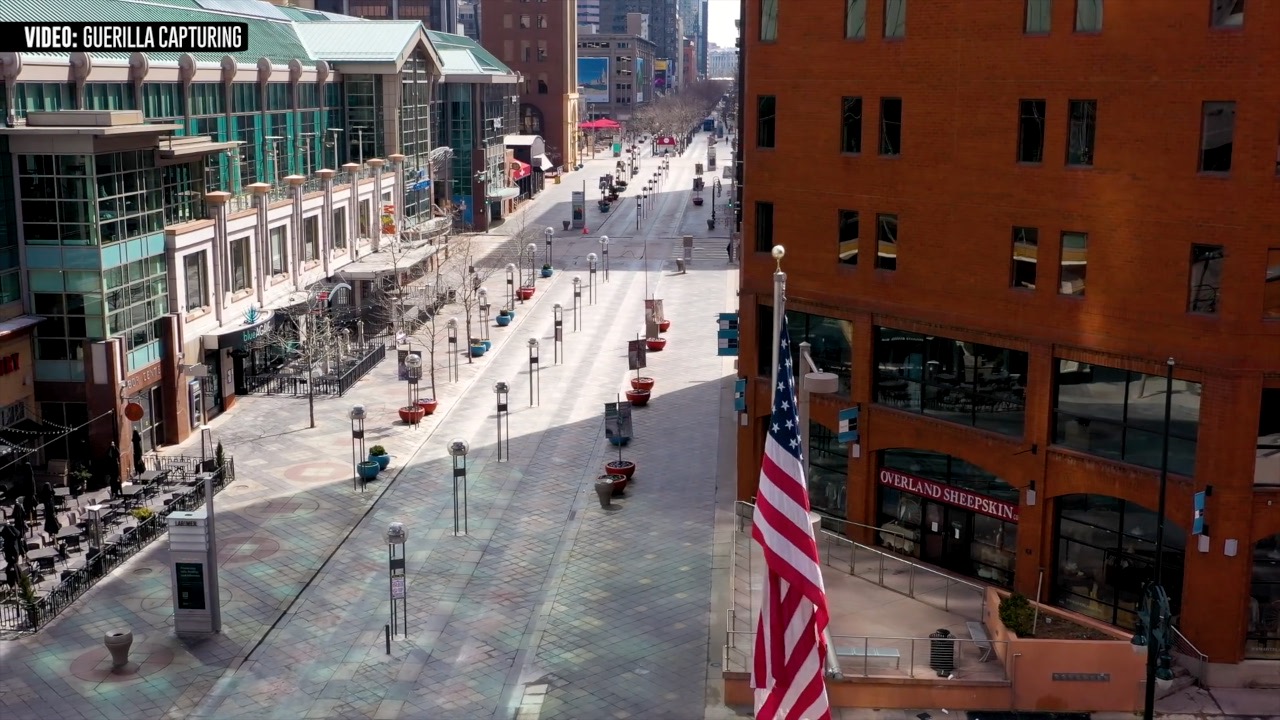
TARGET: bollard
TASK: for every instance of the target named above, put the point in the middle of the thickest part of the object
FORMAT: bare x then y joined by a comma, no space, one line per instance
680,265
118,643
604,491
387,628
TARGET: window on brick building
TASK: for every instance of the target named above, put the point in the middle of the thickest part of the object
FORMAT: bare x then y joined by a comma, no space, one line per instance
1025,249
895,18
1271,288
1081,121
855,19
768,20
1031,131
1206,278
766,121
1217,134
1073,263
1226,13
1088,15
526,22
508,21
542,21
851,125
848,230
764,226
542,51
890,126
886,242
1037,19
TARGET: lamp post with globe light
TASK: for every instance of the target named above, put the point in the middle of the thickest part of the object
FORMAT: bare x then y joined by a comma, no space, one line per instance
535,380
458,449
531,249
548,233
395,537
591,278
604,252
357,416
503,392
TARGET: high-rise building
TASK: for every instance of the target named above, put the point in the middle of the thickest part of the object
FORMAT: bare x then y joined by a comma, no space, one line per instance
440,15
540,40
1005,276
616,71
722,63
664,29
589,13
693,20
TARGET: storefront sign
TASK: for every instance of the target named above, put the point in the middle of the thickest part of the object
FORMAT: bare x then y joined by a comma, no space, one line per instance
954,496
257,324
190,586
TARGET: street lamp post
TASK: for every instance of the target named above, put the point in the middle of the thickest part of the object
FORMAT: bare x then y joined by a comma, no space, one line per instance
482,295
604,251
451,337
333,143
275,158
548,233
395,537
577,303
306,152
458,449
639,213
535,383
503,391
1155,613
413,368
591,278
531,249
511,286
557,338
357,416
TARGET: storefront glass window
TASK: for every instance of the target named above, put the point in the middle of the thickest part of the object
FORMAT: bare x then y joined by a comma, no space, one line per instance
983,386
1119,415
828,471
1106,553
1266,468
948,531
1264,601
831,341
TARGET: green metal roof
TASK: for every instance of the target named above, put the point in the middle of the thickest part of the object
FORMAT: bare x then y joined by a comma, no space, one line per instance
460,55
358,40
274,40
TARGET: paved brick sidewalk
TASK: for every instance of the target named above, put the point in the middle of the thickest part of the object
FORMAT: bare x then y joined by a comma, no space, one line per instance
549,602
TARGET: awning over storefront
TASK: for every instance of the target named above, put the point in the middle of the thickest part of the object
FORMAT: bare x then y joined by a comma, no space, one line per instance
18,324
254,324
520,170
542,163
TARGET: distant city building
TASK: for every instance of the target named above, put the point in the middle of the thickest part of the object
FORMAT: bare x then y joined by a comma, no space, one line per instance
664,29
616,71
722,62
589,12
441,15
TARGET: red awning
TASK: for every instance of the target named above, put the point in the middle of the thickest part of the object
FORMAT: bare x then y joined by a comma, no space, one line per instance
520,170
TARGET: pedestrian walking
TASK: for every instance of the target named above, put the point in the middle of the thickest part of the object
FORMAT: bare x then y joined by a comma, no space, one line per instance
728,248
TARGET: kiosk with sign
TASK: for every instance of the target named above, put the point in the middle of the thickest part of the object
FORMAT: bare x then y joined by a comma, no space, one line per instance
579,202
193,557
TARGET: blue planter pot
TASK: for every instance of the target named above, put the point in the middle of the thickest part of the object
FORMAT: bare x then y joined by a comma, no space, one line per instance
488,345
546,272
615,440
477,350
504,320
382,460
367,470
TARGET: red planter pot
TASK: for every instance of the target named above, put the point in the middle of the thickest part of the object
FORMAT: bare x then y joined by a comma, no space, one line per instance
412,414
656,344
638,398
642,383
428,406
619,482
625,468
664,325
526,292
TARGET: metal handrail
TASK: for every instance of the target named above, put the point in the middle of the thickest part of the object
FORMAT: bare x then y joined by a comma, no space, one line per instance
1197,662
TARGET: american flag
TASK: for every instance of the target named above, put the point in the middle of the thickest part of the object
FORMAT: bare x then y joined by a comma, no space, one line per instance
787,671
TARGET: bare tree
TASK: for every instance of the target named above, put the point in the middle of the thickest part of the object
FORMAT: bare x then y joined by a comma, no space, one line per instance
311,341
469,278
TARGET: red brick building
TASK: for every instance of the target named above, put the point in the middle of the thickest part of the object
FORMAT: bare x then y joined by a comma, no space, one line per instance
1000,220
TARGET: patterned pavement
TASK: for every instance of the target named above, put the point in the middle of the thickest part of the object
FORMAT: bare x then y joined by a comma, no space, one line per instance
549,608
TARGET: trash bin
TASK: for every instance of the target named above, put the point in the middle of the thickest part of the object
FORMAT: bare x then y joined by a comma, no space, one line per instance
697,168
680,265
942,652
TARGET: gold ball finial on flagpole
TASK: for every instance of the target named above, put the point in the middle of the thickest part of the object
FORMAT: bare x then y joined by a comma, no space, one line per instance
778,253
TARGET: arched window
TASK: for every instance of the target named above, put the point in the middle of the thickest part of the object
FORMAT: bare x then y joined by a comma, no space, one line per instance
530,120
542,87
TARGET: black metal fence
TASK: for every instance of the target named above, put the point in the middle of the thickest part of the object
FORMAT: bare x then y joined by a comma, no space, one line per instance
18,614
278,383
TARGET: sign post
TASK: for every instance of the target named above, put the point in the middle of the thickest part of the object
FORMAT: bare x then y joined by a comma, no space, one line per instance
193,559
849,429
727,335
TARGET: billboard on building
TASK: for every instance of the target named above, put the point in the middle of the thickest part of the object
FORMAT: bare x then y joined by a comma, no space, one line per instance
593,76
641,78
660,74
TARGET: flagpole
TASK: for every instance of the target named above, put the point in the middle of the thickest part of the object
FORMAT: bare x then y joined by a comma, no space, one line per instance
831,661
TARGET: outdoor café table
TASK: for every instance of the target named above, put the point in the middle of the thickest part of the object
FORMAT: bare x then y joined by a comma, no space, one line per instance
71,531
132,491
42,553
62,492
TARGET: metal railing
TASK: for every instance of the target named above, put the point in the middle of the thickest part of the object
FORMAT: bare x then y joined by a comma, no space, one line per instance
297,384
1190,657
885,569
239,203
312,185
883,656
20,615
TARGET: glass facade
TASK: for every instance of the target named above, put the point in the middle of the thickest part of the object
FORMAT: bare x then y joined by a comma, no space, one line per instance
1263,638
948,532
1119,415
10,266
1106,553
968,383
137,297
828,471
415,137
365,116
831,341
